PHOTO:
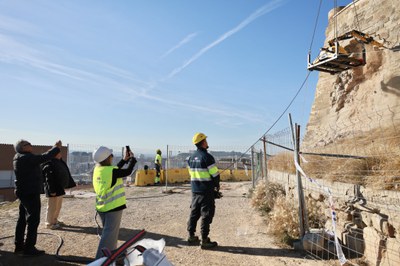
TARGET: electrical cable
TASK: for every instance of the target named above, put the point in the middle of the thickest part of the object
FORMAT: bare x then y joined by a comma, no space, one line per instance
276,121
315,26
61,243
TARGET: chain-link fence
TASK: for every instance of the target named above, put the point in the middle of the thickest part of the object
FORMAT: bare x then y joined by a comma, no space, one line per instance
349,186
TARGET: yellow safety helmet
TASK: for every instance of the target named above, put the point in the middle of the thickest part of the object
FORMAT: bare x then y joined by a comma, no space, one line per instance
198,137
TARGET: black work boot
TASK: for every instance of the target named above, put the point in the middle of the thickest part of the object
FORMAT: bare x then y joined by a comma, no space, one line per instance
206,243
19,249
193,240
32,252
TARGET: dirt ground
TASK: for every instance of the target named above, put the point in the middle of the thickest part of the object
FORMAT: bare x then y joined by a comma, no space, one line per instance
240,232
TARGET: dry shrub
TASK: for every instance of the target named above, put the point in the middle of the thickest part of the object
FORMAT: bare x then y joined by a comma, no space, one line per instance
377,172
284,220
315,211
337,169
282,162
269,199
264,196
282,215
384,173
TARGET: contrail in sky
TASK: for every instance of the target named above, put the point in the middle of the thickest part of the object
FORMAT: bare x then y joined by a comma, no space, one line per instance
258,13
184,41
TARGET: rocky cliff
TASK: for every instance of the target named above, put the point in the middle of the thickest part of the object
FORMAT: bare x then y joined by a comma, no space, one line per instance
361,103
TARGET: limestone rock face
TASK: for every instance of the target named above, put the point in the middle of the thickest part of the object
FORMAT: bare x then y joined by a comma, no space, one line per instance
363,101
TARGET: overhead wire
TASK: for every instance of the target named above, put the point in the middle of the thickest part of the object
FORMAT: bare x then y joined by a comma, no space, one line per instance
276,121
292,100
315,26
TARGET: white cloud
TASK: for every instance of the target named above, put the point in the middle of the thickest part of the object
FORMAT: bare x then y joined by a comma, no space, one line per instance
258,13
17,26
181,43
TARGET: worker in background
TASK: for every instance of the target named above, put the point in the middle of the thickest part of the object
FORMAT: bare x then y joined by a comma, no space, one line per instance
157,162
110,194
204,178
57,178
28,187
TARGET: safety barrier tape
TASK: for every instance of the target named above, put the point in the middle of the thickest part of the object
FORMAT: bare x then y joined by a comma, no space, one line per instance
339,251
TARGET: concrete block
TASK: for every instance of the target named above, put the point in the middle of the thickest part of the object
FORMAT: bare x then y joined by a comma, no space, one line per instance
354,240
225,175
241,175
144,178
314,240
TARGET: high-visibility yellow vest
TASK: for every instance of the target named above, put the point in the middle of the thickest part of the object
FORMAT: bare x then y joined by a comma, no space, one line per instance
204,174
158,158
107,197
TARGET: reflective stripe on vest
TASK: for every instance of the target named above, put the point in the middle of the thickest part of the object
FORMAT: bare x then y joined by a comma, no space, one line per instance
203,174
107,197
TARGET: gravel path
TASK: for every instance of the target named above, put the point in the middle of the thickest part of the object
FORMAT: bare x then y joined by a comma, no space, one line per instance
239,230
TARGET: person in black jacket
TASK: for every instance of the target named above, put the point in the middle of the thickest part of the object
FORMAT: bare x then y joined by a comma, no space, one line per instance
57,177
28,187
204,179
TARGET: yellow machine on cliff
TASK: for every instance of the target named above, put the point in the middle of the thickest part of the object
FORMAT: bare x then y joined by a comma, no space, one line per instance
336,58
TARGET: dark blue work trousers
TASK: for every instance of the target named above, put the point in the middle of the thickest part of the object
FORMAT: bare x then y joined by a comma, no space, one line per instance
203,205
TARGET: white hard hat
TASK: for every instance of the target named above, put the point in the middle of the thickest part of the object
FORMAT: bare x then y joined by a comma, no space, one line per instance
101,154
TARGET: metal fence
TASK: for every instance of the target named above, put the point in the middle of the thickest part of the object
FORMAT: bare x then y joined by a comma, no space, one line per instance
347,190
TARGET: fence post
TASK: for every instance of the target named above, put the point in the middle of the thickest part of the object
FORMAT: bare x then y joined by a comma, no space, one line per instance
303,221
252,167
265,157
166,170
260,163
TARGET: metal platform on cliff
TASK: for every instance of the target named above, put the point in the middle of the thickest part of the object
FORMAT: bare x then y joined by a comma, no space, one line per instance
334,62
335,59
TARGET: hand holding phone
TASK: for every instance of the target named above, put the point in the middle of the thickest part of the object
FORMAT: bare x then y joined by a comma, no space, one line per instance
128,153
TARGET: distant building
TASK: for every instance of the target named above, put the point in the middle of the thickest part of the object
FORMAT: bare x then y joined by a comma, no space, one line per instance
7,176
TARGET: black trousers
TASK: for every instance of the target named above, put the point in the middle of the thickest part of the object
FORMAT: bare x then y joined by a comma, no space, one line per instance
158,170
29,214
203,205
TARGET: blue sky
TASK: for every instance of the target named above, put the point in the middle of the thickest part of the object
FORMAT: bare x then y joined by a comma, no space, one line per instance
151,73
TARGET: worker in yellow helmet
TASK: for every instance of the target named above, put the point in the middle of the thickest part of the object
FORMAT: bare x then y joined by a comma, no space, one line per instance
110,194
157,163
204,178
